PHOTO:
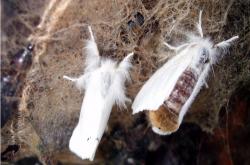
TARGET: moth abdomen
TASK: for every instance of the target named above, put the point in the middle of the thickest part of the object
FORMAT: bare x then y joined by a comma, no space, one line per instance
182,90
166,118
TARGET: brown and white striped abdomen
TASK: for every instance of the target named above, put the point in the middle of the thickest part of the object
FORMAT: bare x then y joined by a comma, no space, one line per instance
182,91
166,117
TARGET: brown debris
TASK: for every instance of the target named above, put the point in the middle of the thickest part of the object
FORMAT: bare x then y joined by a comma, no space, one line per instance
50,106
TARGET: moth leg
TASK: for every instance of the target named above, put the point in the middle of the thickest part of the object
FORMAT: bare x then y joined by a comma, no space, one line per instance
125,65
128,100
199,25
70,78
206,85
176,48
79,82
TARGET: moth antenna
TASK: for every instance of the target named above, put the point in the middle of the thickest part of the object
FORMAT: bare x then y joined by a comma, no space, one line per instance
92,52
176,48
226,44
91,33
222,47
199,24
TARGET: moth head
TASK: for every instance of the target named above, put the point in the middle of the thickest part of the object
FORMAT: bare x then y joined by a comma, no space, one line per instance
203,55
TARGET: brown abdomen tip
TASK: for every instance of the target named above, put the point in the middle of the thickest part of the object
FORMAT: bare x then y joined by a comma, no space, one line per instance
164,119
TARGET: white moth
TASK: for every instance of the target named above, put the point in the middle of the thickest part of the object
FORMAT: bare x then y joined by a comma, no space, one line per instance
103,82
168,94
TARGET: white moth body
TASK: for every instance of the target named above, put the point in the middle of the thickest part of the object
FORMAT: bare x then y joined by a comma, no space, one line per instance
171,90
103,82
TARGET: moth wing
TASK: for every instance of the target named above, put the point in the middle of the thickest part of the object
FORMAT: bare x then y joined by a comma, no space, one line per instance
95,112
121,75
159,86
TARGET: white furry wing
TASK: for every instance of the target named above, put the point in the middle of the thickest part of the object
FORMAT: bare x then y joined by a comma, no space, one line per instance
122,74
104,87
95,111
159,86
